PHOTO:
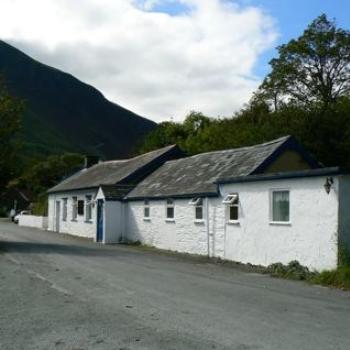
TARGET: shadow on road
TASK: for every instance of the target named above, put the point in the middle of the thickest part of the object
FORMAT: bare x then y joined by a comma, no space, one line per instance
53,248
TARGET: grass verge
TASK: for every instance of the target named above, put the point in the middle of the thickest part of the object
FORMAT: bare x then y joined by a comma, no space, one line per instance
339,278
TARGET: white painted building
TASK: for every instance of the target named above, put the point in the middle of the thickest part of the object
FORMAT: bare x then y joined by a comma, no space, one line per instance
260,205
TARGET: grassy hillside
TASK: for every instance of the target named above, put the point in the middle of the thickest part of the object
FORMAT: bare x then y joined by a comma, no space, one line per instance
65,114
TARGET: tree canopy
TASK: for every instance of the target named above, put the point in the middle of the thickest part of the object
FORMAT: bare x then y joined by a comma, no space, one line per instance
313,68
306,94
11,110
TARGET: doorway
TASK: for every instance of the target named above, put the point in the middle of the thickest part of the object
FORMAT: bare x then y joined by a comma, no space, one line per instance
100,214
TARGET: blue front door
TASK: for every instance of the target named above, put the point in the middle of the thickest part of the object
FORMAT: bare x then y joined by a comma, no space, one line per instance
99,237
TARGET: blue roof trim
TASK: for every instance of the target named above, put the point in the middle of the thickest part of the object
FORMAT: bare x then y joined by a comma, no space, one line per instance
286,175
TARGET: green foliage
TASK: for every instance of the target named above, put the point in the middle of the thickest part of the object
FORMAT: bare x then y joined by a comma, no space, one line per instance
11,110
40,206
38,178
313,68
339,278
343,254
291,271
325,133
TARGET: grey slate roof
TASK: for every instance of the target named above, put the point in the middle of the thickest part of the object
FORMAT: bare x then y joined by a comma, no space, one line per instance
197,175
111,172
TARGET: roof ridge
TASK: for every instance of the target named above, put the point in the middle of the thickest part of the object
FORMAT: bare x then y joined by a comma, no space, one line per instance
280,139
140,155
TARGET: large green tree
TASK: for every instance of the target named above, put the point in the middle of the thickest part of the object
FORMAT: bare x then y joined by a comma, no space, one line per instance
312,68
11,110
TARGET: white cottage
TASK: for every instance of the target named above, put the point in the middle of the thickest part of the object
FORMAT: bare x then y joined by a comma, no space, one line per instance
90,203
261,204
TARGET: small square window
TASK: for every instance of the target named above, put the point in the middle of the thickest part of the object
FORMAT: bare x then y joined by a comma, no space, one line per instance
170,209
280,206
146,212
146,209
170,213
199,212
233,212
232,202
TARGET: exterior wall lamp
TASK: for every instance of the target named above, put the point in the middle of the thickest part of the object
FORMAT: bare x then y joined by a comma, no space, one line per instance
328,184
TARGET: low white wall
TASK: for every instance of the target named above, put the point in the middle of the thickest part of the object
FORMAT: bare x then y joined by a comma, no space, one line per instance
33,221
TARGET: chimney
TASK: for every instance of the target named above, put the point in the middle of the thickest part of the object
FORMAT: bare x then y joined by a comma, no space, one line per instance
90,161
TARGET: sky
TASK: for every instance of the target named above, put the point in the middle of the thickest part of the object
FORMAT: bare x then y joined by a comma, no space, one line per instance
164,58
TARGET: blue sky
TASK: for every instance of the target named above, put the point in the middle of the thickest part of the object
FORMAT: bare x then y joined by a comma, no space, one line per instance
164,58
291,17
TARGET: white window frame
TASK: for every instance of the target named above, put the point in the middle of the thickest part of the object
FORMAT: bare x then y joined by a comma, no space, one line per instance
230,198
197,203
271,192
64,209
74,208
88,208
229,201
167,206
146,206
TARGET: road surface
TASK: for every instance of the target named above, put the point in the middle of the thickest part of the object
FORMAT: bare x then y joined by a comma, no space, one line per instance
60,292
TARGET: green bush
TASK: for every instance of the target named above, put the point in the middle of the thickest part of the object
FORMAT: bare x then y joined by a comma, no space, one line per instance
339,278
294,270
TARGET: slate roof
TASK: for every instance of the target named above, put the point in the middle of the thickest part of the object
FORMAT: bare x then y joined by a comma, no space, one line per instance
197,175
114,172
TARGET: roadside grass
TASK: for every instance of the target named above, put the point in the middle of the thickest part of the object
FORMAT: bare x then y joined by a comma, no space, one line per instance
339,278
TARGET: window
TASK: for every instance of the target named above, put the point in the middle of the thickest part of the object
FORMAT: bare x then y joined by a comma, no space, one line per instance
81,207
64,209
74,208
198,204
88,209
170,209
232,202
280,206
146,209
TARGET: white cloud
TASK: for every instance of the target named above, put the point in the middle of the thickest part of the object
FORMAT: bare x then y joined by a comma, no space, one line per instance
156,64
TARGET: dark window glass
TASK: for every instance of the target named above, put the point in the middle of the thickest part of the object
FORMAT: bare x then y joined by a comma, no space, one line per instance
146,212
80,207
170,212
233,212
199,213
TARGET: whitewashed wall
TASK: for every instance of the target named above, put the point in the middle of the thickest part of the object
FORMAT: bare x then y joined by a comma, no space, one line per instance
80,227
40,222
183,234
311,237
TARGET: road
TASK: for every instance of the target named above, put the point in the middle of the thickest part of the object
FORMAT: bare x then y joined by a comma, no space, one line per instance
61,292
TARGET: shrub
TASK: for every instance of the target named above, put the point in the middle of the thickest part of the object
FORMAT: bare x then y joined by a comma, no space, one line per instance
339,278
294,270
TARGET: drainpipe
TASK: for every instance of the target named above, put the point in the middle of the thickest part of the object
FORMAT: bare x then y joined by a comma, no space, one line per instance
208,231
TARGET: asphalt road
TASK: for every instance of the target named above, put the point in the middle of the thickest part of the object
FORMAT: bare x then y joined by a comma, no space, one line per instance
60,292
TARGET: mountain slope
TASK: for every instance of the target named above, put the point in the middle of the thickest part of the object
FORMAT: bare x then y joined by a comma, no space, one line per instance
65,114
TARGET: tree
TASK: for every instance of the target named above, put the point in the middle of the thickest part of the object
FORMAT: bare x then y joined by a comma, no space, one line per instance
11,110
313,68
